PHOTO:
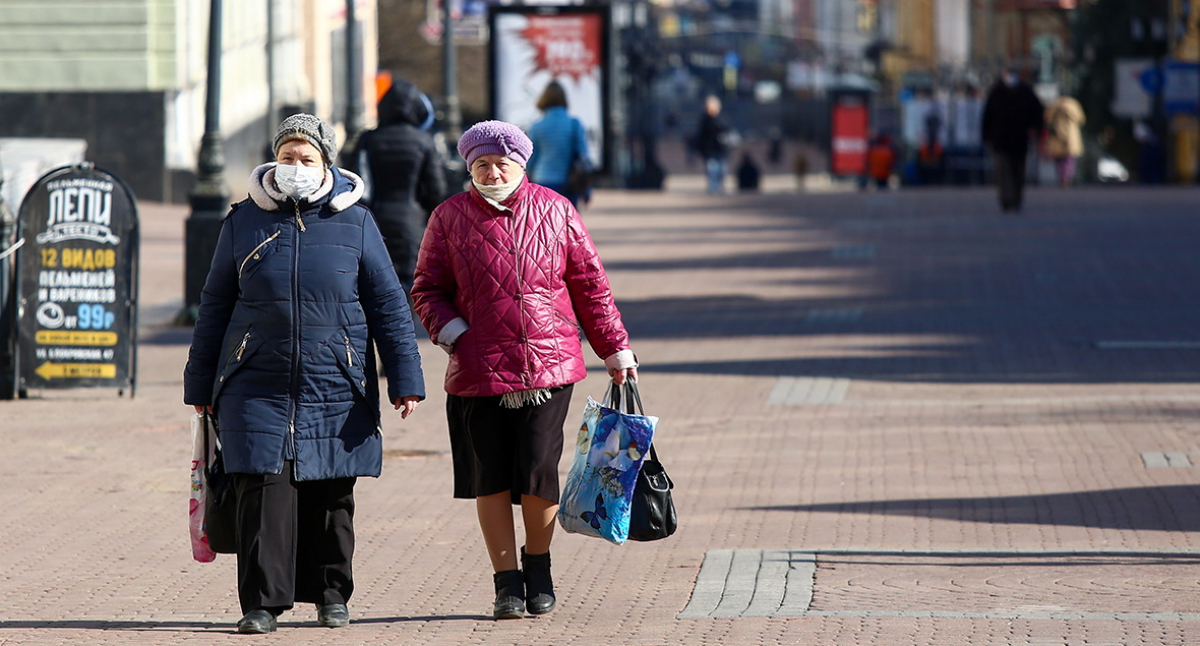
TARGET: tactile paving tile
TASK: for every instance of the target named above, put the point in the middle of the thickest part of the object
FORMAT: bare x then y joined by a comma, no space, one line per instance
796,391
1168,459
1116,585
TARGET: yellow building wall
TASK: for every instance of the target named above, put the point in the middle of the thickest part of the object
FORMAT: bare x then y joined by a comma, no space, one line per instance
1186,127
915,30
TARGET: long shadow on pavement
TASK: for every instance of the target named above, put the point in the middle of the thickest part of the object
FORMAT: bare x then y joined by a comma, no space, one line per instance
206,626
1174,508
99,624
1090,286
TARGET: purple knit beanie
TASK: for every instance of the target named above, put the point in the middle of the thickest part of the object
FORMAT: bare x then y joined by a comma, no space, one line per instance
495,137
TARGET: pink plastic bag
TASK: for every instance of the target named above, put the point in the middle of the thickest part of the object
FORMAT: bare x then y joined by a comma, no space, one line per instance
200,549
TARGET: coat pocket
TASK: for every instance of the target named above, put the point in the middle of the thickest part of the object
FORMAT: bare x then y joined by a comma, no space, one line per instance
570,322
256,254
350,362
238,357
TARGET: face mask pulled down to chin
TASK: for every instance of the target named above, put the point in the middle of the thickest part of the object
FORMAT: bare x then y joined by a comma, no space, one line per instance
298,182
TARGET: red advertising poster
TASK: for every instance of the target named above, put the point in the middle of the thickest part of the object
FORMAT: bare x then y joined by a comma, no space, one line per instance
565,44
850,128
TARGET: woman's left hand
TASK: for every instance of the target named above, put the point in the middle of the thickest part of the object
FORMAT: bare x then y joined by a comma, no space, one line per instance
408,404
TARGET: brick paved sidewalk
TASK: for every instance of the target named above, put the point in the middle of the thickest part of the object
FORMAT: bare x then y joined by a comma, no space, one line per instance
893,418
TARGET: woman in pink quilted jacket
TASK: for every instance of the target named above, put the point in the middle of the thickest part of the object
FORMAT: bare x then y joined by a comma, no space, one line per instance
506,276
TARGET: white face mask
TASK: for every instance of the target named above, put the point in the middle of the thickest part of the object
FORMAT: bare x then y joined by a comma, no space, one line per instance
499,192
298,182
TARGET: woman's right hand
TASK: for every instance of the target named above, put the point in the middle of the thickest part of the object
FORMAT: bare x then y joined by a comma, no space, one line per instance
203,409
619,376
407,405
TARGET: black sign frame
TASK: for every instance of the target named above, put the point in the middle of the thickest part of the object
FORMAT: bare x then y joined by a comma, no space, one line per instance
77,282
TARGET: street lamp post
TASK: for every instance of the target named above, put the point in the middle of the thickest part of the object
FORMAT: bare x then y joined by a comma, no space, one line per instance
8,297
354,65
641,66
450,76
210,196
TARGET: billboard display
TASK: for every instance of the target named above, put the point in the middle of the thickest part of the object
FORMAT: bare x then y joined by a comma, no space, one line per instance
850,125
531,46
77,282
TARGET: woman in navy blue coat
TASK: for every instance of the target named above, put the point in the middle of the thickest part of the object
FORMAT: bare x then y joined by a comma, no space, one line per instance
300,289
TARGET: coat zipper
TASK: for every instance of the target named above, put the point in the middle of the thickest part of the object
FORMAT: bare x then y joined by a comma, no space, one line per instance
254,254
242,348
349,355
294,386
237,354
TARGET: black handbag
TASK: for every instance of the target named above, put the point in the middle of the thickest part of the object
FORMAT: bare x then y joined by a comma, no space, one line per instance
580,175
652,510
220,502
579,178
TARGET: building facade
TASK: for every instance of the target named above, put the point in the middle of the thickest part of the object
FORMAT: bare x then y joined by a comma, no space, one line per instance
129,77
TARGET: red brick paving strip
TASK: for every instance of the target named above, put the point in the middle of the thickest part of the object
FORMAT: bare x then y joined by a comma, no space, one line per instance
979,416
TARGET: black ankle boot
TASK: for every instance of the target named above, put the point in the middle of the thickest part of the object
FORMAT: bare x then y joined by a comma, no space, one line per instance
539,587
510,595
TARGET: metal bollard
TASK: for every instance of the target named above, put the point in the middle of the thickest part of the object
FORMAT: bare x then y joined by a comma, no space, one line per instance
8,301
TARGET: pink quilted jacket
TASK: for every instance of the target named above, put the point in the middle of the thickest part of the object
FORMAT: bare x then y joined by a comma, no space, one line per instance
520,279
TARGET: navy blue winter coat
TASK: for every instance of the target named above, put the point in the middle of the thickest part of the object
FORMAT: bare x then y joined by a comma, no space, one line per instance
280,348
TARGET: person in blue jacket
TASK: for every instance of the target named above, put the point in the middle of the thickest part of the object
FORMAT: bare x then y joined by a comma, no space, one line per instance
300,289
558,141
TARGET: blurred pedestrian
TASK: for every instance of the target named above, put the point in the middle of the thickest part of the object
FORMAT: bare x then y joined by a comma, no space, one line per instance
559,143
748,174
404,174
931,156
881,160
711,138
1151,157
280,355
1064,139
1011,115
507,272
775,146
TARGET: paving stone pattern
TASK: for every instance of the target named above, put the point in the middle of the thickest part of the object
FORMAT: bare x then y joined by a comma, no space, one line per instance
1008,457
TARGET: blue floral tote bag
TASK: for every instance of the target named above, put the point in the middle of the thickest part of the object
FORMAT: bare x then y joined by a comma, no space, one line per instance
609,451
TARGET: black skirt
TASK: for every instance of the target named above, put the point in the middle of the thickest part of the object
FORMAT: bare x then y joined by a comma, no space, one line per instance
498,449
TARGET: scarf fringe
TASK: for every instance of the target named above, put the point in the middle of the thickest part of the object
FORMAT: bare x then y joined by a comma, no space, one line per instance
523,398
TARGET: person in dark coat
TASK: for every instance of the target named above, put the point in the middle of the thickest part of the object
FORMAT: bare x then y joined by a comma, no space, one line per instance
710,144
748,174
300,286
1011,115
403,172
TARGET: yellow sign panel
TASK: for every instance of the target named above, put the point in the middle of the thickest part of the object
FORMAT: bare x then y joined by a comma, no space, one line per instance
65,337
51,370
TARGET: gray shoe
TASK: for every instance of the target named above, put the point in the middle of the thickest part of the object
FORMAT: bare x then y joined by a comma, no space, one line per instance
333,615
256,622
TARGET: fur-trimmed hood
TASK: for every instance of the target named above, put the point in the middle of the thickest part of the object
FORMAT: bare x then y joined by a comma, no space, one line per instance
341,188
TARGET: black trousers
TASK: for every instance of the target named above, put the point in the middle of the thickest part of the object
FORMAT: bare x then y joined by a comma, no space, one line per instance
1010,178
296,540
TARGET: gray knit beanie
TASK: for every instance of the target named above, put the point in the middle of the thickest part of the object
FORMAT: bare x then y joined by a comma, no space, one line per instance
311,129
